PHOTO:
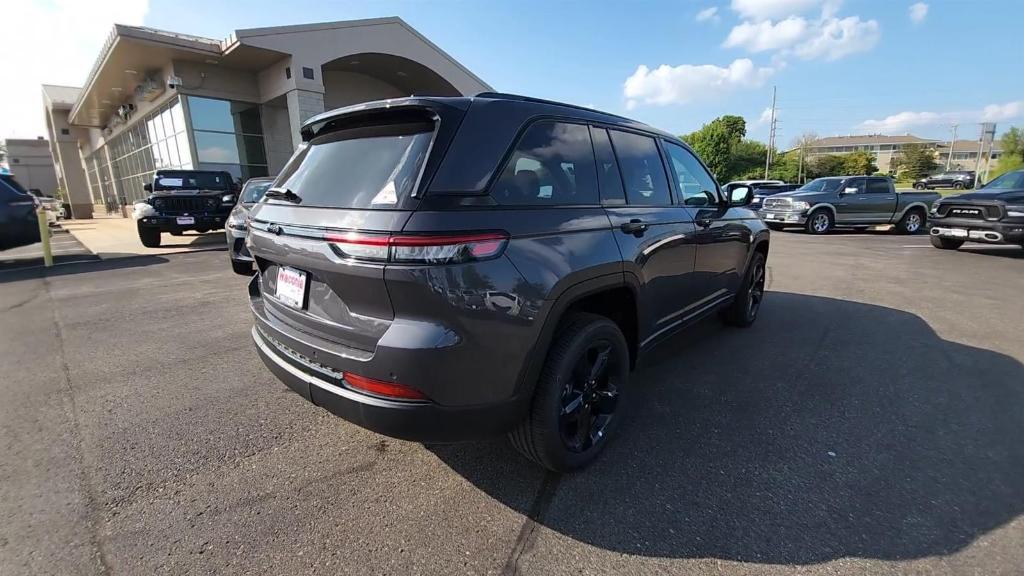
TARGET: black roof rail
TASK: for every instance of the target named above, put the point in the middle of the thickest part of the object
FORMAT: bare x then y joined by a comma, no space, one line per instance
520,98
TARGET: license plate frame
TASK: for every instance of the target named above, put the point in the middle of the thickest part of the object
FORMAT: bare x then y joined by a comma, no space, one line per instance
958,233
294,283
185,220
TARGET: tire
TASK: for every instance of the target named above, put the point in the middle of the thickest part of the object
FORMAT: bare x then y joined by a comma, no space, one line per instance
946,243
820,222
242,268
919,186
744,308
150,237
552,434
776,227
958,185
912,222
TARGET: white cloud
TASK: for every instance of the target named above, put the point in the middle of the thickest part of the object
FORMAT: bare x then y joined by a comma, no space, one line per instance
685,83
65,37
827,37
710,13
835,38
917,12
1001,112
904,121
766,116
770,9
764,35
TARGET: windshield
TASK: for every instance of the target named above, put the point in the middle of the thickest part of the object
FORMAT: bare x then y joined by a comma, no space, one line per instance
1008,181
192,181
822,185
10,181
372,167
254,191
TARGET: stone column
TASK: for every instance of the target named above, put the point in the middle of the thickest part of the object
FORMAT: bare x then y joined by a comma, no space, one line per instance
302,105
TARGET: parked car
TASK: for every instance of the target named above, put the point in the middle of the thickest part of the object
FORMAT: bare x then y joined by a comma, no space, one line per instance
958,179
824,203
182,200
754,184
993,214
762,191
52,206
19,225
442,269
236,229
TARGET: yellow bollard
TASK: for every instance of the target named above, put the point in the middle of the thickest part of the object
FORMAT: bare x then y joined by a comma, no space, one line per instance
44,236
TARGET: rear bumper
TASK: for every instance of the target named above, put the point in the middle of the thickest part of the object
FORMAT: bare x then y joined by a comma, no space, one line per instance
417,421
985,231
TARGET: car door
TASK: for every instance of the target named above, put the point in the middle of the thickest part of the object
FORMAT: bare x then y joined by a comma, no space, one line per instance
723,237
879,200
851,206
655,236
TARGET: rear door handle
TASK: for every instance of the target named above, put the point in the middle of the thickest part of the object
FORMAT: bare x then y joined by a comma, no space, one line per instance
635,227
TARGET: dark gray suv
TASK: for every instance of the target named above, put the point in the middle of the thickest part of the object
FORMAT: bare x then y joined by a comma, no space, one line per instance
442,269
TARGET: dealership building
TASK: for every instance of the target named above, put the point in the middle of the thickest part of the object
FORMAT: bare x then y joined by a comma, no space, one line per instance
162,100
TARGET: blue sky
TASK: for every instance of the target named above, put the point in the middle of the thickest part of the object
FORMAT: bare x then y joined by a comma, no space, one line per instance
841,67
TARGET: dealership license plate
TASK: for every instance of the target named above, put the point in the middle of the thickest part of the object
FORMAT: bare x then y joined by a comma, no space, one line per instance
958,232
184,220
291,286
772,217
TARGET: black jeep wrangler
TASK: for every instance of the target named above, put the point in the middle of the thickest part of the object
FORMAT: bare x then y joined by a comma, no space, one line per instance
181,200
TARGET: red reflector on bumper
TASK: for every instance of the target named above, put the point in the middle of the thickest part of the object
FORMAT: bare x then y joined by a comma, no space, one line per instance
381,388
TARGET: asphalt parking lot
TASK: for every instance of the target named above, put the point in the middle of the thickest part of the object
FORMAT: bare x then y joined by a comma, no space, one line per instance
871,422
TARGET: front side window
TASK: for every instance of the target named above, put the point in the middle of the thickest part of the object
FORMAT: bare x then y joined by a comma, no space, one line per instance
553,163
696,187
642,170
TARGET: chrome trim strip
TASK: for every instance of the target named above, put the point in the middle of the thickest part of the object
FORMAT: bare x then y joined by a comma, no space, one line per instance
709,305
662,242
691,306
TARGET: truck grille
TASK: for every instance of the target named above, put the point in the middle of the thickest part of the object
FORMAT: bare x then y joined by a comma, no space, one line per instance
184,204
777,204
969,212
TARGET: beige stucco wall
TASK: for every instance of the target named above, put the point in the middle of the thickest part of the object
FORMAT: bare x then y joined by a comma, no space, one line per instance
347,88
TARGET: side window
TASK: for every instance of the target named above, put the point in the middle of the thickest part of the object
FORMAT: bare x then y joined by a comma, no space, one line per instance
553,163
857,183
642,170
607,169
878,186
696,187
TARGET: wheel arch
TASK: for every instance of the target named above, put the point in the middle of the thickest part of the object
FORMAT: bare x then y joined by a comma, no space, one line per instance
909,207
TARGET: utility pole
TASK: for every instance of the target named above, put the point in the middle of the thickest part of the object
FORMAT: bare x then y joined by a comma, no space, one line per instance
771,137
952,144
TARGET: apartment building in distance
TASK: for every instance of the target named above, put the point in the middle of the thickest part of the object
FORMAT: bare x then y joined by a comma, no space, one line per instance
887,149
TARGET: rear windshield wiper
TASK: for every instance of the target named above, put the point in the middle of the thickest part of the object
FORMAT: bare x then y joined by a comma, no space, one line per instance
283,194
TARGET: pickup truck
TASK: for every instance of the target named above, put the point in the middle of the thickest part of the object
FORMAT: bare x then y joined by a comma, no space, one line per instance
994,214
824,203
181,200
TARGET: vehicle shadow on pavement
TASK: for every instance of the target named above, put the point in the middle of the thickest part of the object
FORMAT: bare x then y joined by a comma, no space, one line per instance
830,429
92,264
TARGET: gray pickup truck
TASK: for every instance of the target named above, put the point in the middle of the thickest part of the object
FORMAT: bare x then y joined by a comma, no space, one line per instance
824,203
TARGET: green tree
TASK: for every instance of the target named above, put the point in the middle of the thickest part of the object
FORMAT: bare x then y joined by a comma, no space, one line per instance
720,144
785,167
1012,144
827,165
916,161
746,160
859,163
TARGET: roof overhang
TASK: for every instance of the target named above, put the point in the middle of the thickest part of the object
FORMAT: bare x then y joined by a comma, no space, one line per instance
134,54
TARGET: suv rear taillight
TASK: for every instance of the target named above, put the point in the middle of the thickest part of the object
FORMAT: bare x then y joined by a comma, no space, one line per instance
419,249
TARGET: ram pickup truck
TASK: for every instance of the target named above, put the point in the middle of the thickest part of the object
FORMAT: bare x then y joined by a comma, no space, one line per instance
854,201
181,200
994,214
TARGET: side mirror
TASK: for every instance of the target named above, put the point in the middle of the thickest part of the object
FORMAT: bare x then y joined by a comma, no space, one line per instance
147,187
741,196
851,190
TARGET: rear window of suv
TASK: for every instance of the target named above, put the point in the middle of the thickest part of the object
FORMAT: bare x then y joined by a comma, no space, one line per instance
370,167
553,163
